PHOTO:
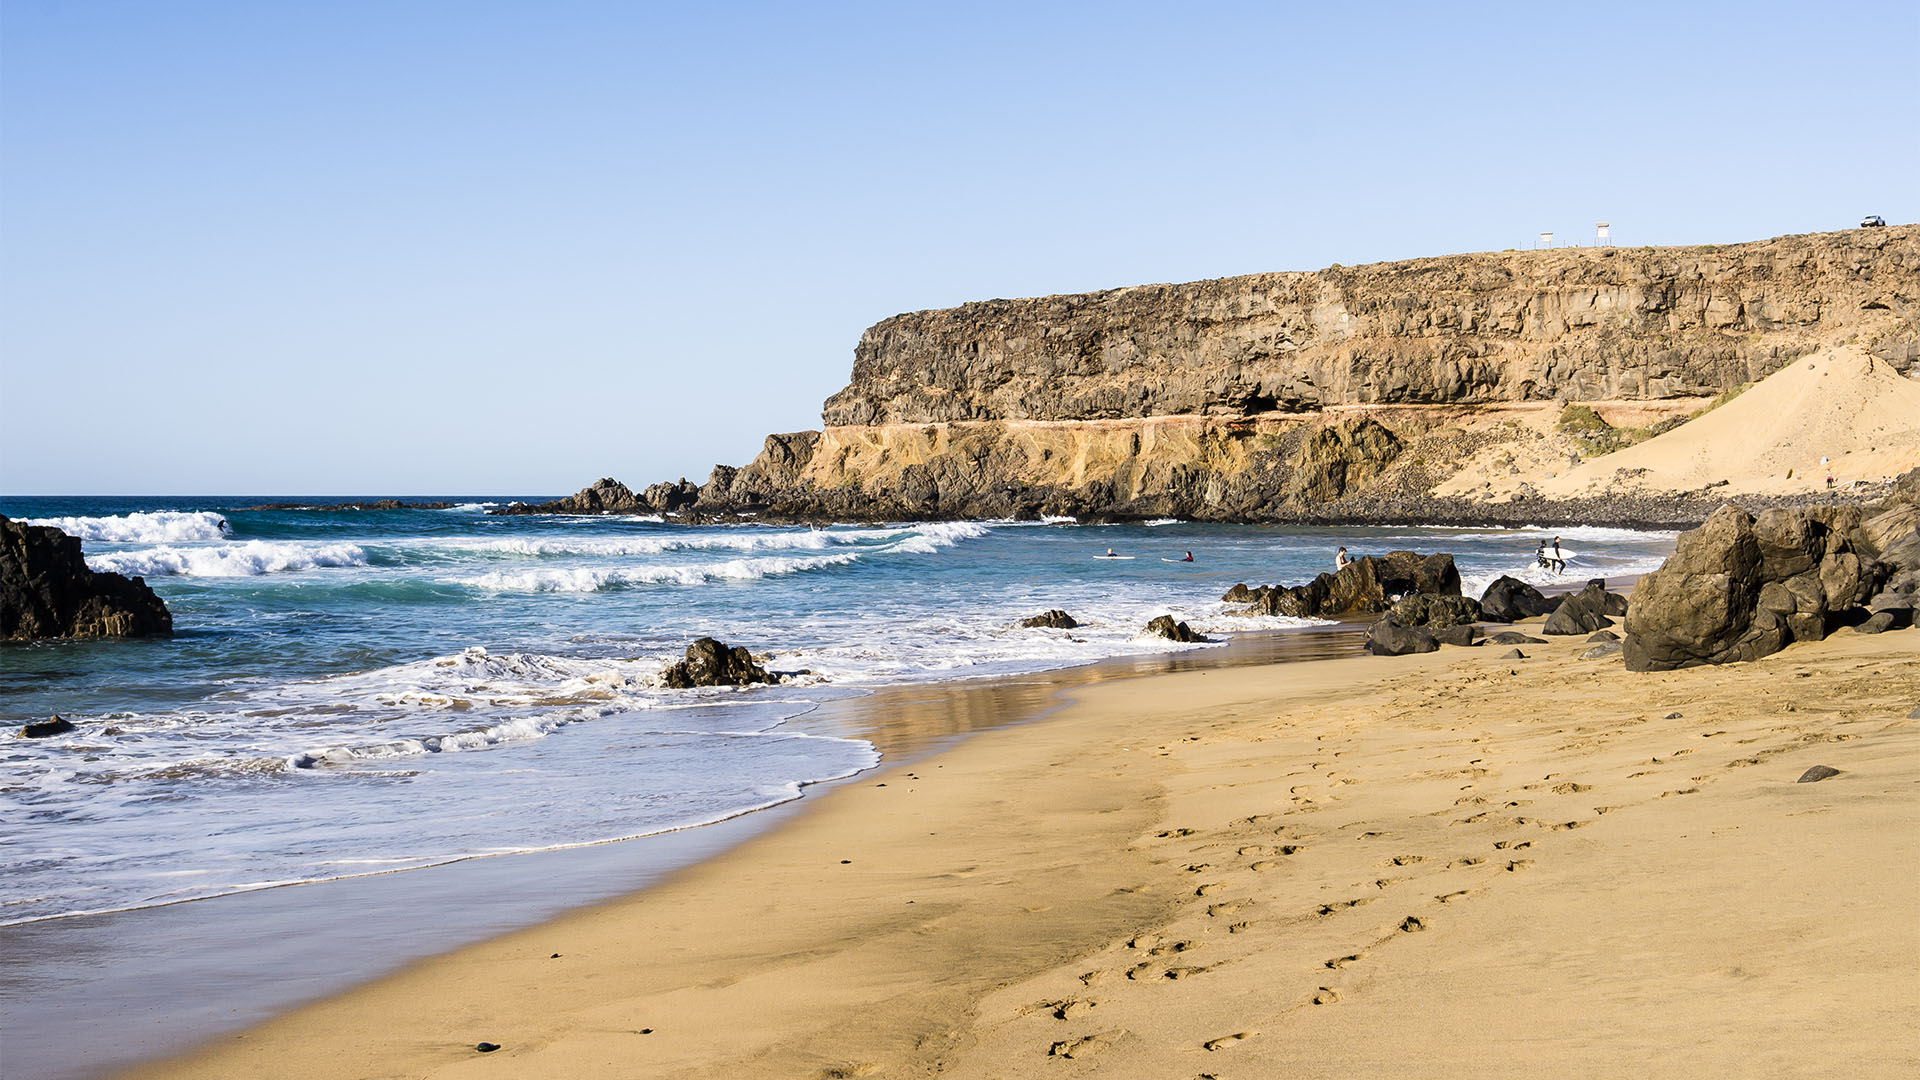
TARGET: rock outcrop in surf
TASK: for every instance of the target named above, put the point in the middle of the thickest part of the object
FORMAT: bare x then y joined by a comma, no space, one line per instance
47,591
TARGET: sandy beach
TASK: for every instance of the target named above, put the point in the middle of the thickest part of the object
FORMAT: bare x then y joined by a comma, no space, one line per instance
1433,865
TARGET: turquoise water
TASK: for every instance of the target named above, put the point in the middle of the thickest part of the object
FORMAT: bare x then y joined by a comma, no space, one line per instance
358,692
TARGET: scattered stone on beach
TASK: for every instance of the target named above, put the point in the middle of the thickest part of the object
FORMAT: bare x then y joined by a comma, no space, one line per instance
1509,599
1583,612
1166,627
1878,623
1387,637
1462,635
1436,612
1602,651
47,591
1513,654
713,663
1053,619
1603,635
52,726
1817,774
1514,637
486,1047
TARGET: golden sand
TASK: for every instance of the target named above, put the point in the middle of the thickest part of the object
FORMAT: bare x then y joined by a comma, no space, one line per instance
1445,865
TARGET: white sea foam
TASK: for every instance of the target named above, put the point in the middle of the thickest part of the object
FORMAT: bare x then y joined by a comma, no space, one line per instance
1156,522
247,559
155,527
596,578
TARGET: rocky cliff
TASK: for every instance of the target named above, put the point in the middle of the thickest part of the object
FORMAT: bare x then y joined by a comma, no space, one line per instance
1337,394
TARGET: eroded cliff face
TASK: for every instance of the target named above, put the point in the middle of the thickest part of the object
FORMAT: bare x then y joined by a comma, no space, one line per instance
1581,324
1346,394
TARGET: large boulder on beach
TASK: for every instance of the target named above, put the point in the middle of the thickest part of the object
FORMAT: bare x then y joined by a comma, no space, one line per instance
712,663
1584,611
46,591
1368,585
1436,612
1387,637
1165,626
1509,599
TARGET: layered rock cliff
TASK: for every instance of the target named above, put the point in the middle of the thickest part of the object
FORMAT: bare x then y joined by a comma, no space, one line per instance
46,591
1298,395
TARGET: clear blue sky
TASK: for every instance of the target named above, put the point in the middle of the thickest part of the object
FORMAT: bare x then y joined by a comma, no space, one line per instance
409,247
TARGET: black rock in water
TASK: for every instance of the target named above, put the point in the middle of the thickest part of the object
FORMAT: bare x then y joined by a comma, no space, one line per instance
46,591
712,663
1053,619
54,726
1817,774
1166,627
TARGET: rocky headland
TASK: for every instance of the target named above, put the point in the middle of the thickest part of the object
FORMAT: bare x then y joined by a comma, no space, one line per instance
47,591
1363,394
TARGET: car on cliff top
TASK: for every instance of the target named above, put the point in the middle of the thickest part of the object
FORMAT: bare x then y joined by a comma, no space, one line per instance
1873,221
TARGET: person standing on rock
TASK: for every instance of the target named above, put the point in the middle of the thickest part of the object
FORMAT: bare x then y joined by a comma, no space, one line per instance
1341,560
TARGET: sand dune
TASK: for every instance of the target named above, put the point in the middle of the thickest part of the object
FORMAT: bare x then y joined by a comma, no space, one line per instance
1839,403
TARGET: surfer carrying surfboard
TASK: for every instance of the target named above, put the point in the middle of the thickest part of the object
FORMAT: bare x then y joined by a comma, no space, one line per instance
1559,560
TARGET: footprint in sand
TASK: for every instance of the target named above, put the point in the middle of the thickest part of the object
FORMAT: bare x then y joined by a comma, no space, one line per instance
1448,898
1264,865
1519,864
1339,962
1208,889
1412,924
1563,826
1682,791
1327,996
1225,1041
1086,1046
1239,928
1469,860
1291,849
1229,908
1174,947
1171,833
1405,860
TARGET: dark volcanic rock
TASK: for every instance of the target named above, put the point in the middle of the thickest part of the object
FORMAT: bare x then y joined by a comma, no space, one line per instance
1583,612
1436,612
1509,599
1817,774
1515,637
1602,651
1462,634
1879,623
712,663
603,496
1054,618
1740,587
1513,654
1386,637
46,591
1367,586
1603,635
52,726
1166,627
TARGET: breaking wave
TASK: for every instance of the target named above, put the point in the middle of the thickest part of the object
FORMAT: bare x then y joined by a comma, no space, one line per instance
597,578
249,559
155,527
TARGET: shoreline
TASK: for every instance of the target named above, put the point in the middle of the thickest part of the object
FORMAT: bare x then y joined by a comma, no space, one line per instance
333,935
1160,868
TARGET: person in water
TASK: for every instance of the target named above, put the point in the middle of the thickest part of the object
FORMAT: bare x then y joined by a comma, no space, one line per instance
1540,557
1559,560
1189,557
1341,560
1110,553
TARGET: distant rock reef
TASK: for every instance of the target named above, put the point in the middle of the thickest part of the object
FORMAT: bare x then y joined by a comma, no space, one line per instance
46,591
1345,394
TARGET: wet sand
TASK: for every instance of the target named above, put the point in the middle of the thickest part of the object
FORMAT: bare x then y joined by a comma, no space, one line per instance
83,996
1444,864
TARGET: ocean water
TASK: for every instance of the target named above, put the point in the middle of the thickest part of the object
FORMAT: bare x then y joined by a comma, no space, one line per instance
361,692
